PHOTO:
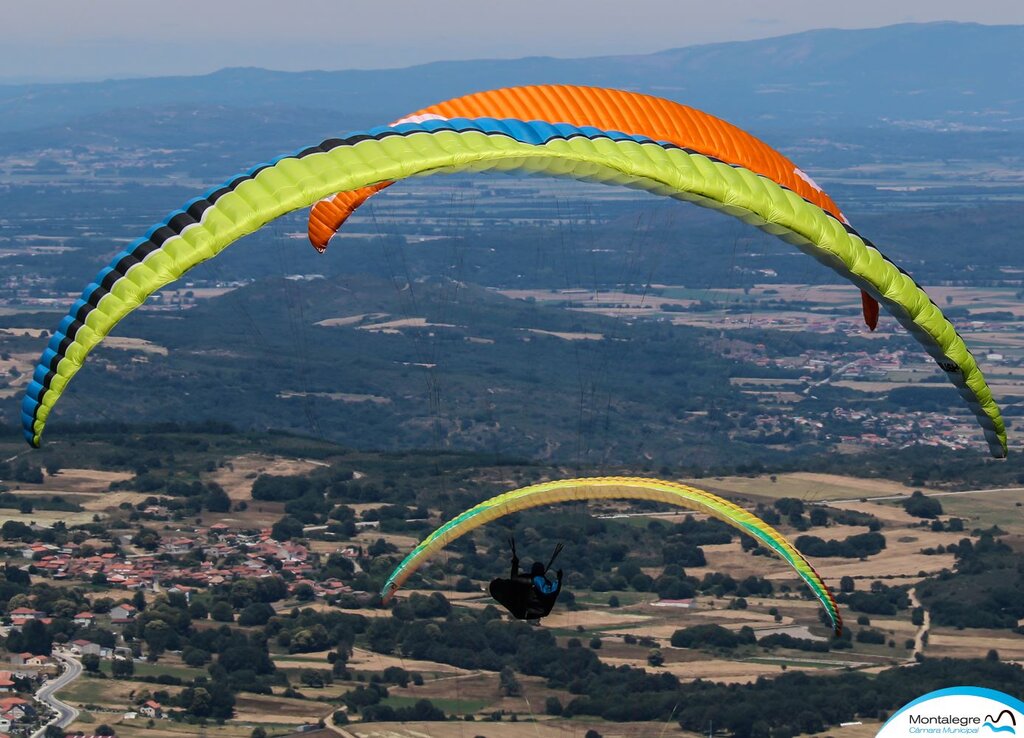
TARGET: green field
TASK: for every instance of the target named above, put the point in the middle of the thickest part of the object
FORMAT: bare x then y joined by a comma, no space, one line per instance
460,707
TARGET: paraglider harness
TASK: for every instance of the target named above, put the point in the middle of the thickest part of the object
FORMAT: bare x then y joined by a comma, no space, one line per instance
528,596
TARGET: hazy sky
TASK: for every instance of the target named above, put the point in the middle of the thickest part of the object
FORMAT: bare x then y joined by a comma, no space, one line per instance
44,40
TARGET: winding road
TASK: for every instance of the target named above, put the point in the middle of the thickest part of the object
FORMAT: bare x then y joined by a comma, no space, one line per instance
921,636
66,714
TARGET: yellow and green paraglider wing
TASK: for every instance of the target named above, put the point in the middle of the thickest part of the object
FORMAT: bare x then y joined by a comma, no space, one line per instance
614,488
207,225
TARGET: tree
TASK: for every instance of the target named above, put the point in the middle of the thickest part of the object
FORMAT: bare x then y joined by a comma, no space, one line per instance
105,729
381,547
122,668
146,538
195,657
258,613
35,638
199,703
91,663
553,706
655,657
139,600
508,683
158,635
921,506
15,530
312,678
286,528
846,584
258,733
216,499
222,612
52,731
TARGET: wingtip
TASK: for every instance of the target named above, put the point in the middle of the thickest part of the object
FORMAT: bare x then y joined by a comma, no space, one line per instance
869,306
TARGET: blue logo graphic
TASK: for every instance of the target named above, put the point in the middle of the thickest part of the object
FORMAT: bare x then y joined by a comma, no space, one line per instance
993,723
958,712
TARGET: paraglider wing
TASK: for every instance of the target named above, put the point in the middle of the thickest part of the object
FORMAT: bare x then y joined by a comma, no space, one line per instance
617,110
207,225
614,488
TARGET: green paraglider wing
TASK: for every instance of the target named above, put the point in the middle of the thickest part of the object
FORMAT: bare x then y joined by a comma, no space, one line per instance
207,225
614,488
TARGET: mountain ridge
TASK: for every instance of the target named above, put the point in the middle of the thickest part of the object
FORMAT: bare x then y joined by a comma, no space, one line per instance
954,72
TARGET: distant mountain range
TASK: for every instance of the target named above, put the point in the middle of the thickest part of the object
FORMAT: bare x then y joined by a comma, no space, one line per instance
935,76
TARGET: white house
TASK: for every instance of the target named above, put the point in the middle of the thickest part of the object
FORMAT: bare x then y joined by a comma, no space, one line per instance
84,619
152,709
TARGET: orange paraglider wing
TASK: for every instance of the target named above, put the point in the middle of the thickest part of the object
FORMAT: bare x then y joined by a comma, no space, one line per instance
629,112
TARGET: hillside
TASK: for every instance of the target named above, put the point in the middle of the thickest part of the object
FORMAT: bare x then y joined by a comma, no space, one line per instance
935,74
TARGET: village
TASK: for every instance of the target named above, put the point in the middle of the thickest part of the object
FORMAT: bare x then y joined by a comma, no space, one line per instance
177,567
193,559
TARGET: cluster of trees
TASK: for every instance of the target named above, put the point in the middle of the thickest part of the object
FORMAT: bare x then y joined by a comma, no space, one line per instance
21,471
713,637
61,604
400,518
785,640
880,600
857,546
15,530
716,638
305,631
13,582
802,516
983,592
953,525
420,711
205,698
33,637
366,700
721,585
792,704
236,660
313,496
152,474
26,505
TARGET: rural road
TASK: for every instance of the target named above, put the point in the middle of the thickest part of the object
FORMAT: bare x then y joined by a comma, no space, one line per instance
837,374
329,723
921,637
66,714
872,498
